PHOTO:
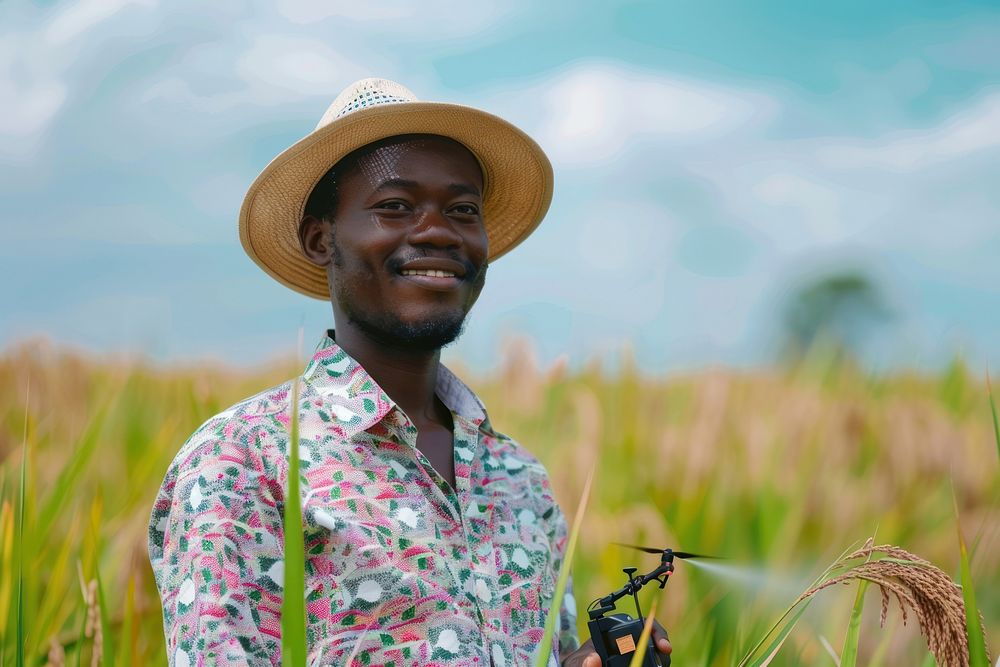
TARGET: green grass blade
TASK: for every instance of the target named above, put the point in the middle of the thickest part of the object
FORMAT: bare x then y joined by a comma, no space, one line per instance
81,638
849,654
51,612
127,654
545,646
71,473
779,640
837,564
977,643
21,630
107,645
643,645
293,607
830,651
993,409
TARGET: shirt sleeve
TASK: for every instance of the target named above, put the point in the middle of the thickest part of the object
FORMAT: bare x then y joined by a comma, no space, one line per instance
216,548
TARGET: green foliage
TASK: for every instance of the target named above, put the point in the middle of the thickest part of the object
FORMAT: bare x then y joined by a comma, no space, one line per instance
977,646
836,312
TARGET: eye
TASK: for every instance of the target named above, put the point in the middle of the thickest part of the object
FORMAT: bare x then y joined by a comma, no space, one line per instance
465,209
391,205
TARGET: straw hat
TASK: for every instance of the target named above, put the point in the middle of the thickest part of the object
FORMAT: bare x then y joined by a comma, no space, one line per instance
517,174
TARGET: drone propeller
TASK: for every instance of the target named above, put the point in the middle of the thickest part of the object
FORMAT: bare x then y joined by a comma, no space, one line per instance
651,550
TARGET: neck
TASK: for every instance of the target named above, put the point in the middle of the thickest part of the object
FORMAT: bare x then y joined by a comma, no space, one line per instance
408,377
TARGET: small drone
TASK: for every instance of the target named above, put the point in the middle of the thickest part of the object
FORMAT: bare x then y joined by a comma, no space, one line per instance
615,635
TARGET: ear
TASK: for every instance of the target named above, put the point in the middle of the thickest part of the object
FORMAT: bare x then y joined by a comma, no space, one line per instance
314,238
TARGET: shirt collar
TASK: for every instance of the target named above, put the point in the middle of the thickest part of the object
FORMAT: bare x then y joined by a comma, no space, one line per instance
358,403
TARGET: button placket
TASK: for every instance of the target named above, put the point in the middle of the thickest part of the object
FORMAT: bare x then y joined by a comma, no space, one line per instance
442,495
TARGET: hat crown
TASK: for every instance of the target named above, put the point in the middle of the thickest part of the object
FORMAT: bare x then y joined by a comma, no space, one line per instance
364,94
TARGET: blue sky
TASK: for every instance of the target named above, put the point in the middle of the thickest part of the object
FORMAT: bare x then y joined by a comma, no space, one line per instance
709,158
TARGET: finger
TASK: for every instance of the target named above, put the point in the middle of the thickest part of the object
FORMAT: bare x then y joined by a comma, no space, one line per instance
592,660
660,638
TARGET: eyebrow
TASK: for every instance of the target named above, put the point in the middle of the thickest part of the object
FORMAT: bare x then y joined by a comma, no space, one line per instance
457,188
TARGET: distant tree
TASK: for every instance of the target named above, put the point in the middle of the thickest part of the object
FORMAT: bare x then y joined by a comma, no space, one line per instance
840,311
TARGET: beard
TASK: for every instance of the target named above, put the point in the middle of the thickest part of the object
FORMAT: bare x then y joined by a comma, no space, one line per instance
426,336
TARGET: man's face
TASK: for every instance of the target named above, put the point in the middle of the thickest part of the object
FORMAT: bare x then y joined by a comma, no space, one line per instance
409,247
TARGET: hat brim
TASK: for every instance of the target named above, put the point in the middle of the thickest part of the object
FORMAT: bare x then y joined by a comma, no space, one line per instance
516,172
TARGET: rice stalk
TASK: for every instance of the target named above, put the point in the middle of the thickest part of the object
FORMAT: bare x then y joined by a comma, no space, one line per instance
825,643
545,646
866,448
53,609
643,645
976,641
102,639
70,475
7,568
919,588
789,624
993,410
127,649
849,654
21,634
293,606
57,654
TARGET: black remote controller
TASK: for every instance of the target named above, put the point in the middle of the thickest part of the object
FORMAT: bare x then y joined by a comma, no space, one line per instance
616,636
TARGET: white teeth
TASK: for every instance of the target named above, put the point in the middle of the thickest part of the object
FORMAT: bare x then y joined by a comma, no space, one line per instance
428,272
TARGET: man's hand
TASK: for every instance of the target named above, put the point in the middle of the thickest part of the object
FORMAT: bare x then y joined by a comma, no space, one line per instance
586,656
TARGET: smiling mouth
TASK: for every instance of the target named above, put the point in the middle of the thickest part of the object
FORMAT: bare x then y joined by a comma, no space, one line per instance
436,280
428,272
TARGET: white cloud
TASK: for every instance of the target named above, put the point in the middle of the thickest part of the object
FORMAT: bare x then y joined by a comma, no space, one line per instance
82,16
919,197
973,130
809,205
447,19
30,94
271,71
35,63
595,111
276,66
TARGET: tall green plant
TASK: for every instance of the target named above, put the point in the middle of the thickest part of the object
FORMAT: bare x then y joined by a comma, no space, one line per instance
993,410
21,633
552,620
293,610
977,643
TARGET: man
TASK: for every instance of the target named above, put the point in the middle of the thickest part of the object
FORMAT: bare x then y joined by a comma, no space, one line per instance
431,538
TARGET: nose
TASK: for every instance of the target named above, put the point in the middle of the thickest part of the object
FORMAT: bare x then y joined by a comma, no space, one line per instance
433,228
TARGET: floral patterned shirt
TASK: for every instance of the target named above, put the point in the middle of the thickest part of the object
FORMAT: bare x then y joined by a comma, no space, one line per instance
401,569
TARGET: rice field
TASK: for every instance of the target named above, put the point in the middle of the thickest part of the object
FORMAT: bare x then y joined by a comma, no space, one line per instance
779,471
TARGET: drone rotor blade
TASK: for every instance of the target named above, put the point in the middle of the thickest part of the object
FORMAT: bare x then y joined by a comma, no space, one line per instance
651,550
685,554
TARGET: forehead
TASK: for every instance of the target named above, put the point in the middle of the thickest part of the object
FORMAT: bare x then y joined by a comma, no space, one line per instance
411,155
